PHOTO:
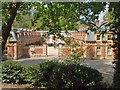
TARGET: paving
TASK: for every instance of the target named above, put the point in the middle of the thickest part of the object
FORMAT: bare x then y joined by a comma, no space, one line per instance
103,66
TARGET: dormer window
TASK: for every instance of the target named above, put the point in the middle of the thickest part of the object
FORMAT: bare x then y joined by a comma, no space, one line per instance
98,37
109,37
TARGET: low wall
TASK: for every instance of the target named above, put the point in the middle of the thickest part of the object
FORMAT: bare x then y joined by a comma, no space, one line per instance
36,51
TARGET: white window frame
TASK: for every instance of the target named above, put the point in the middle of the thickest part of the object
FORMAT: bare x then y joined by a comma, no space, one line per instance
98,50
109,51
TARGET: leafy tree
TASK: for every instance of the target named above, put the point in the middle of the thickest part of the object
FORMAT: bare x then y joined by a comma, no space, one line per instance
62,16
77,50
115,28
56,16
24,21
113,16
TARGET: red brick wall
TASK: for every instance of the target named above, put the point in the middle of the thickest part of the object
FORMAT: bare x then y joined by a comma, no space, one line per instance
25,50
38,50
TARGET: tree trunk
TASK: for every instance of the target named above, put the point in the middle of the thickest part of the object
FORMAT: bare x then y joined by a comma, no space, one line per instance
6,28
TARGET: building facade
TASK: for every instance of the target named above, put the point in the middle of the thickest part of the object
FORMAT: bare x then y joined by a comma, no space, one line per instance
19,42
97,46
30,43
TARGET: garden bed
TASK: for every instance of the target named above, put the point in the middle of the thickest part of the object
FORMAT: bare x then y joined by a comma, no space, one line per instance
5,86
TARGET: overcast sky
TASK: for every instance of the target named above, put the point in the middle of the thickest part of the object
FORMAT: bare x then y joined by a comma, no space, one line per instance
101,15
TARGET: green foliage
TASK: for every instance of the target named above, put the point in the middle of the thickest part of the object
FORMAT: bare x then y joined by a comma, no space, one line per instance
53,16
63,75
39,75
74,76
114,14
31,74
74,56
23,21
5,7
77,51
51,74
109,16
12,72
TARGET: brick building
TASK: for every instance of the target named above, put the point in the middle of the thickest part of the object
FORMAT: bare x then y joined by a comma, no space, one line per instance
19,42
28,43
99,45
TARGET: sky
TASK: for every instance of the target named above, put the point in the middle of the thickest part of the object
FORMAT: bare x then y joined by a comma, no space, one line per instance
101,15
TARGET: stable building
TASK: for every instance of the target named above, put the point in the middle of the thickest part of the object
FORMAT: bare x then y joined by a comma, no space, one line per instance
19,41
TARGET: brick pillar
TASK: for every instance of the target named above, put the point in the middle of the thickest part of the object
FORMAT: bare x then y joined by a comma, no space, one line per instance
10,50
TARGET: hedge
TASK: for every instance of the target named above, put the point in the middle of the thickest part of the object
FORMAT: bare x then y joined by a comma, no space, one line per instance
12,72
51,74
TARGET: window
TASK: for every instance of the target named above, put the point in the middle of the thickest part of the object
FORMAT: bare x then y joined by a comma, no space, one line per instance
98,37
109,51
109,37
98,50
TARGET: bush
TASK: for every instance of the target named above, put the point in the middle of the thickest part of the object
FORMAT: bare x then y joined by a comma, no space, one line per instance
57,75
69,75
31,75
12,72
74,76
39,75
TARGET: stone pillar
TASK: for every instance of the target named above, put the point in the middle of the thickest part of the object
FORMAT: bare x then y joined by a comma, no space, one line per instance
45,49
95,50
105,50
15,51
59,50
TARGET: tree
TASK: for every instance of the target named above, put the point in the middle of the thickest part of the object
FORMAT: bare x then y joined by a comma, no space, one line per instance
115,28
114,23
77,50
24,21
11,12
55,15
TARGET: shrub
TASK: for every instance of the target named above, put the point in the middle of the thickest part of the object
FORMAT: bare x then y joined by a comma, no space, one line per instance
74,76
47,71
39,75
69,75
31,75
51,74
12,72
